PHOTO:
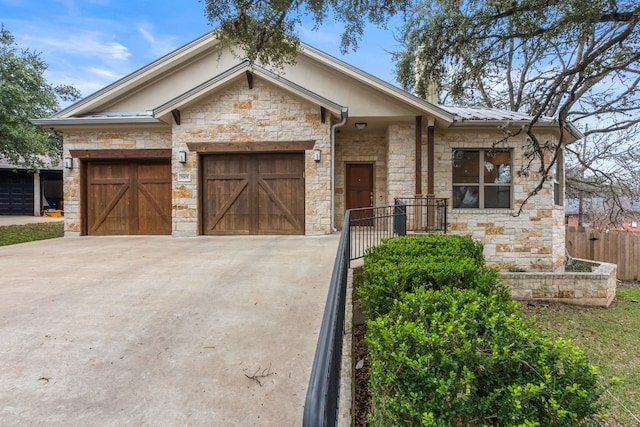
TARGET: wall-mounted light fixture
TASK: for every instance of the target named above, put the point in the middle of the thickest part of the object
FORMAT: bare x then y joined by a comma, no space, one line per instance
361,125
182,156
68,163
316,155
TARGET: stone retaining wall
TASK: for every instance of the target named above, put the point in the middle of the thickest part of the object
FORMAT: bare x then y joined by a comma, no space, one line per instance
597,288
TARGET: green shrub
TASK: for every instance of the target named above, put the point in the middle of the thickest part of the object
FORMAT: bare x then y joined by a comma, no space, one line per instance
435,245
435,261
460,357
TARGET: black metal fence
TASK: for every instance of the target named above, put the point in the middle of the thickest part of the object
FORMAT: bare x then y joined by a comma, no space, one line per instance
368,226
321,404
425,214
362,229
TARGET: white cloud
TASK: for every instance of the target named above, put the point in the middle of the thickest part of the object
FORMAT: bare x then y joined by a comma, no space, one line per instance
102,73
159,44
146,33
82,43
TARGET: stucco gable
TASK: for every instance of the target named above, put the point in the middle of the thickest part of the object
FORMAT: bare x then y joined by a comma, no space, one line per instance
247,72
200,61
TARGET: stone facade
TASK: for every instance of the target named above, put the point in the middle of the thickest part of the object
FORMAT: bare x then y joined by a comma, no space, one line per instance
239,114
365,147
401,161
532,239
118,138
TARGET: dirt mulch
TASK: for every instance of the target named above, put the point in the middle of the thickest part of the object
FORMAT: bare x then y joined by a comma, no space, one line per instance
362,397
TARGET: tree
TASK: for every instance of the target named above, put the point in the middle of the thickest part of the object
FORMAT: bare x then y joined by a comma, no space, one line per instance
24,95
573,60
604,167
266,30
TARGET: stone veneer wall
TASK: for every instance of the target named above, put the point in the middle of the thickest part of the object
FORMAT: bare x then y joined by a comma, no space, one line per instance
240,114
401,161
597,288
360,147
533,240
118,138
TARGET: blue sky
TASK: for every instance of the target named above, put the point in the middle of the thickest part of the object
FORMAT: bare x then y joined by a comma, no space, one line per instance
91,43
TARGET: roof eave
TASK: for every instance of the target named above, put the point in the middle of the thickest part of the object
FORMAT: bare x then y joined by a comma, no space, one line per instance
79,121
570,127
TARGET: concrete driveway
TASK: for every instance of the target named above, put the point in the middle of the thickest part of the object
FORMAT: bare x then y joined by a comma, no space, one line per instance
160,331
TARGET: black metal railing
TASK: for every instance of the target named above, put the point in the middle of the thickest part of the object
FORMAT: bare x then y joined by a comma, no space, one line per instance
362,229
368,226
321,404
425,214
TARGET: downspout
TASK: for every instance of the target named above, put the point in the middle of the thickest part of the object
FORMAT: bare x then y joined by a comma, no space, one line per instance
344,114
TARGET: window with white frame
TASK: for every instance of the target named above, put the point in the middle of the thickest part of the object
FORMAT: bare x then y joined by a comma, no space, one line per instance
482,179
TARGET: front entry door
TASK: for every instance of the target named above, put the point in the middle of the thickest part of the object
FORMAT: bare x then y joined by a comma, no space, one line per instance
359,186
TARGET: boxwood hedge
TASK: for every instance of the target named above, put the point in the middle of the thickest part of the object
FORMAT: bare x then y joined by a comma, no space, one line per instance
448,348
435,261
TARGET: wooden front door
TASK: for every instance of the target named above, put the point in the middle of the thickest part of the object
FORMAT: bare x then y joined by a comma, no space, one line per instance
128,197
359,192
253,194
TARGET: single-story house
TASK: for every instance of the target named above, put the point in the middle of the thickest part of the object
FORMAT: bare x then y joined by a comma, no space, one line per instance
203,142
28,192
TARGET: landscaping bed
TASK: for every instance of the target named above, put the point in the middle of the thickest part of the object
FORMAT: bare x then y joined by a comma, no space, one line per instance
450,349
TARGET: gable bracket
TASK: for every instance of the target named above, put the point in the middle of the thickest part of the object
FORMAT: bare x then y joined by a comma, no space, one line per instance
176,115
323,114
249,79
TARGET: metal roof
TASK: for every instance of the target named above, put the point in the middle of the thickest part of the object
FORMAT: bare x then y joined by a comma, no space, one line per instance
490,114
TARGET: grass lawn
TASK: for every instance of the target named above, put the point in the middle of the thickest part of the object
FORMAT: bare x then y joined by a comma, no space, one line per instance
611,339
12,234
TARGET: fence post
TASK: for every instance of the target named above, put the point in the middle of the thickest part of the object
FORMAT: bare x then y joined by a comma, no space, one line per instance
399,218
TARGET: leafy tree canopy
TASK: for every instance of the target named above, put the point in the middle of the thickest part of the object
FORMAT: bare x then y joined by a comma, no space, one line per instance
25,95
574,60
266,30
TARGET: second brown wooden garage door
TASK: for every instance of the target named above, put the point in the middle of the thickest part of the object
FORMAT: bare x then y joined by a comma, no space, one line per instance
253,194
128,197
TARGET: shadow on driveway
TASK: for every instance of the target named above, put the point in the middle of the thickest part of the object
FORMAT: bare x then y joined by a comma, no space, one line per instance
159,330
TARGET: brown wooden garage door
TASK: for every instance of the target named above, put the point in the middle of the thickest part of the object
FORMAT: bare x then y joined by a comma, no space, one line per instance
128,197
253,194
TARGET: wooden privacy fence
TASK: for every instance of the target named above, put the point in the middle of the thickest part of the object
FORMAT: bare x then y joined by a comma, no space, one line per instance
616,247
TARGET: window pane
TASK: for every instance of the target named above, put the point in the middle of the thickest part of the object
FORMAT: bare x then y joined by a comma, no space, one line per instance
497,167
497,196
466,196
465,166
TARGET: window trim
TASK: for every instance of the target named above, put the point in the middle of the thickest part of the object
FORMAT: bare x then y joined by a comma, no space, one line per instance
481,184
